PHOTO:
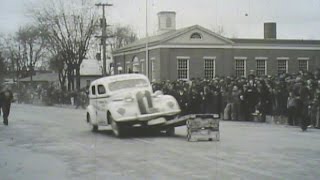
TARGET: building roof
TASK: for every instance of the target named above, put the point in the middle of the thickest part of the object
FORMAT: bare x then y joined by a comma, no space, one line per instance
43,77
234,42
161,38
90,67
151,40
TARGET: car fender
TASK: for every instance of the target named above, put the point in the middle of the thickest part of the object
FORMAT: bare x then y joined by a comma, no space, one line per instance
163,99
113,108
130,109
93,115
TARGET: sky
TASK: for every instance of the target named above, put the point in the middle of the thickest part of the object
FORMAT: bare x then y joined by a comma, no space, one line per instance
296,19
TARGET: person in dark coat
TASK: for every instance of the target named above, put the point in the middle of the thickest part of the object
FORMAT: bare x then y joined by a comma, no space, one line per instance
244,109
6,97
251,95
235,103
264,100
302,94
195,101
216,101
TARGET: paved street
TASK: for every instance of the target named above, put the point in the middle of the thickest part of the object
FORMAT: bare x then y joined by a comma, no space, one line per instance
56,143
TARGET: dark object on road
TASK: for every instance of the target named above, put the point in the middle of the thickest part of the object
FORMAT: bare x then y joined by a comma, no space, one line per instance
203,126
6,97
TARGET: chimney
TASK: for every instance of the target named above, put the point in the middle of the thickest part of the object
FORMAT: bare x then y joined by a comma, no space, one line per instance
270,30
167,21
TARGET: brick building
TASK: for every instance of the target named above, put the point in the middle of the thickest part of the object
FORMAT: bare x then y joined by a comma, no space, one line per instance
195,51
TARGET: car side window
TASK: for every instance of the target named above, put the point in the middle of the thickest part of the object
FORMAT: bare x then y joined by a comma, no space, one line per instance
93,90
101,89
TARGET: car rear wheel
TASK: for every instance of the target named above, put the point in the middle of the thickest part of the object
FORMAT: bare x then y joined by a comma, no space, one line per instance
117,128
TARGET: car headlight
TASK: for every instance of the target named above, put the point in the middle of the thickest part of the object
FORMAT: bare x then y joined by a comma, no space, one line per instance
128,98
170,104
121,111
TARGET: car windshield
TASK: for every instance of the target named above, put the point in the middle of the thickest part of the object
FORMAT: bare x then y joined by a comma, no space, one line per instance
129,83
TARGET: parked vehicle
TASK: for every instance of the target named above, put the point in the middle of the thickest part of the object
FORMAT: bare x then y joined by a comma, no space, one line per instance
127,100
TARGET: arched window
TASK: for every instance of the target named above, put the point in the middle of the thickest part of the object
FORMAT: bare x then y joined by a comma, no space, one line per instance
168,22
196,36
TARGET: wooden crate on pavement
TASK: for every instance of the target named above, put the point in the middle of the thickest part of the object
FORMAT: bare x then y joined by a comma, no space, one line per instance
203,127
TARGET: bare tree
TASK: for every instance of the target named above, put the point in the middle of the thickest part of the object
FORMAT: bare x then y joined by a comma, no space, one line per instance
33,40
2,68
57,64
70,27
12,50
121,36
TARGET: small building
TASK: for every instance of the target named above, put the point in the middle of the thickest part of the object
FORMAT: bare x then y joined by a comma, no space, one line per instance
196,52
90,70
41,78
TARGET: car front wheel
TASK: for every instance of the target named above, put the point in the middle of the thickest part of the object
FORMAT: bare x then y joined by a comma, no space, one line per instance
94,128
117,128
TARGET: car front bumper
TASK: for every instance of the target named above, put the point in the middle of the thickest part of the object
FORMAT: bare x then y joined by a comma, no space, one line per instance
147,117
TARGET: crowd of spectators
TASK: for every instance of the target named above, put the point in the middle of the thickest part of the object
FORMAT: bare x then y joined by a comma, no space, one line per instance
295,97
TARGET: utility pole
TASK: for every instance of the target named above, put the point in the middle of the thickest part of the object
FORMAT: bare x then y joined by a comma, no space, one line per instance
104,36
147,48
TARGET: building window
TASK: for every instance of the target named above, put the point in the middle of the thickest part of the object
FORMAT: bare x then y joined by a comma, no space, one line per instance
282,66
240,67
209,68
128,67
142,66
261,67
183,68
196,36
168,22
153,75
135,65
303,64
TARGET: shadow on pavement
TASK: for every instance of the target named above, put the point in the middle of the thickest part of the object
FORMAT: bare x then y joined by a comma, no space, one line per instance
141,133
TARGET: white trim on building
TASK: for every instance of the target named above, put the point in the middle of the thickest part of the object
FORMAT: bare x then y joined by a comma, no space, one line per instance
181,68
303,60
282,59
240,66
210,71
219,47
261,65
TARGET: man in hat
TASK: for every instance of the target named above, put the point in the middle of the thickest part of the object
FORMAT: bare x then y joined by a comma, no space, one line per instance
6,97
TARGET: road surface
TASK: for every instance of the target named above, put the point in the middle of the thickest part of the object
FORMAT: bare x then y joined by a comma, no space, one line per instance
56,143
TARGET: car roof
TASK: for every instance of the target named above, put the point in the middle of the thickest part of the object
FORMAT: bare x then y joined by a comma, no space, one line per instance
108,79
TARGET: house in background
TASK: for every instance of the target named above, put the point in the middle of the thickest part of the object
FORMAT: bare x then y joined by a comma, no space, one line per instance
90,70
196,52
41,78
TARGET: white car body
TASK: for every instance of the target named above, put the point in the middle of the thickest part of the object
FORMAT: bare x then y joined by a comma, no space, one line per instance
128,99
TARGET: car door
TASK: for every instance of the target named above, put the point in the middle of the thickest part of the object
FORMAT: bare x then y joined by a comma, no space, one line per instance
101,103
93,101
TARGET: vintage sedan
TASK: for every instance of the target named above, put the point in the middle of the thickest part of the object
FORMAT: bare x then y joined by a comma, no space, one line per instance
126,101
